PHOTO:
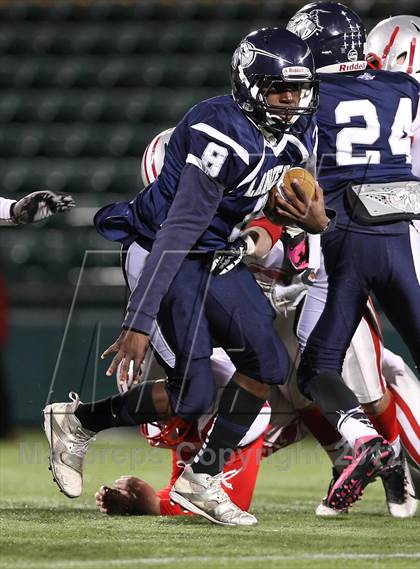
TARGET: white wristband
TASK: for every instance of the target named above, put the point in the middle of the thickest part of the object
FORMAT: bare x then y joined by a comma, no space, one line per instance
5,211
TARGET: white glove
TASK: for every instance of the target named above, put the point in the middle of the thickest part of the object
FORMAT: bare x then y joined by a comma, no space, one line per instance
40,205
226,260
285,298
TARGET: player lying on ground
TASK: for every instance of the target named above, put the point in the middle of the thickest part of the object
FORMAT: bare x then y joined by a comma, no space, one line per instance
132,495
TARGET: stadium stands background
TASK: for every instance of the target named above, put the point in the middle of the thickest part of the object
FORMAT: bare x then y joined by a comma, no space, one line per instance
83,87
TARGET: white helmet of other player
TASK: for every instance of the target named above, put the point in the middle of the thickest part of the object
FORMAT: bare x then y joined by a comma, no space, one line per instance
153,157
394,45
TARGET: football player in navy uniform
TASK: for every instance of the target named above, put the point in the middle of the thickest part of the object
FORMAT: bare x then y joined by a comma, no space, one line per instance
364,166
221,162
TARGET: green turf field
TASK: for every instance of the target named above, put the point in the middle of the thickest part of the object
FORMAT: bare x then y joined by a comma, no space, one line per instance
42,528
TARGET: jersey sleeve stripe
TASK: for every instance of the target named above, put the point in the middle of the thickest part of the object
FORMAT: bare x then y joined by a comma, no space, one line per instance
302,148
217,135
254,172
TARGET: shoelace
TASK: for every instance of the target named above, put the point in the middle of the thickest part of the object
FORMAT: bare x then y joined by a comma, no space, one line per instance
80,440
80,443
74,397
226,476
223,476
215,487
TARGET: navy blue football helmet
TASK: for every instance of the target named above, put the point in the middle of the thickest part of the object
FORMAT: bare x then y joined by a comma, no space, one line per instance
271,60
335,34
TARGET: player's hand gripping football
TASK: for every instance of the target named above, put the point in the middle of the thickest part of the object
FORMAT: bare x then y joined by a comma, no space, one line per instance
308,213
129,347
40,205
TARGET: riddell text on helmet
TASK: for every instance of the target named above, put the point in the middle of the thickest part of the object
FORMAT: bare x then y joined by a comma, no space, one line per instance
358,66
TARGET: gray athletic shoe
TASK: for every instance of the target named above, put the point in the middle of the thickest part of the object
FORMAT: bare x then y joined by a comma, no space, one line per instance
202,494
68,442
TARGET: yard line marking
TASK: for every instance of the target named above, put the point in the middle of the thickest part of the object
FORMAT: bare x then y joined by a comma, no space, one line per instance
210,559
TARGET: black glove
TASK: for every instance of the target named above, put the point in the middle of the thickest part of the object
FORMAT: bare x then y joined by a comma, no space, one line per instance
40,205
226,260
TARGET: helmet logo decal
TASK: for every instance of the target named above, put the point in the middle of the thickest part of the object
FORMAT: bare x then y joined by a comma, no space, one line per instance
352,55
354,36
246,53
366,77
306,24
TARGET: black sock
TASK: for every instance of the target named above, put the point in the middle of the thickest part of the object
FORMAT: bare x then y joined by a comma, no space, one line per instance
237,411
124,410
333,397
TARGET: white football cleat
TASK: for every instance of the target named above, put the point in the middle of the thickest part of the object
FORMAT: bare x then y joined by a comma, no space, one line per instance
68,442
203,494
399,490
323,510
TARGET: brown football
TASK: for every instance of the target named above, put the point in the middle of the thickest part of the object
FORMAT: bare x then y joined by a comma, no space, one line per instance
270,210
307,183
305,179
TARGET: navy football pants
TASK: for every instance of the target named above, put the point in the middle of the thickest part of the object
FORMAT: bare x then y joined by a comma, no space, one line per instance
199,312
357,264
